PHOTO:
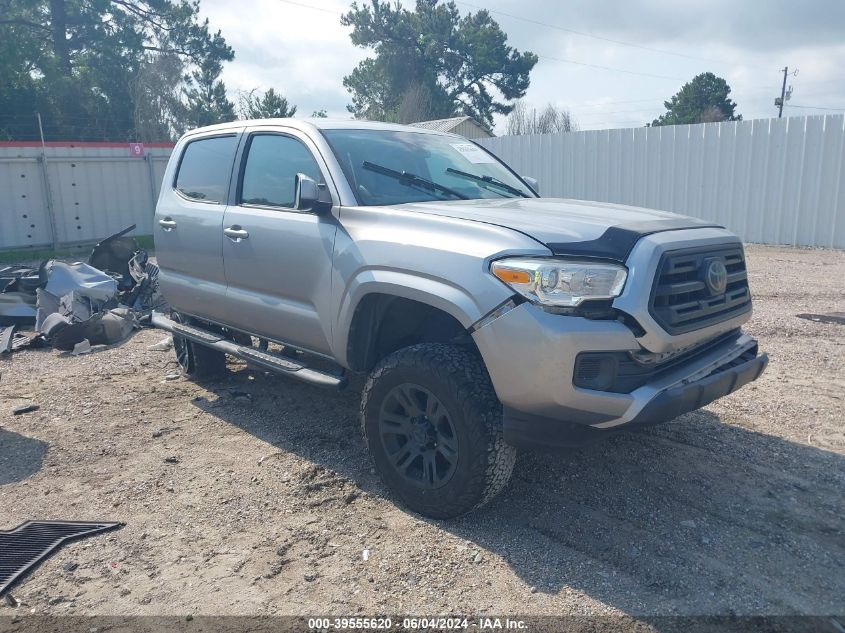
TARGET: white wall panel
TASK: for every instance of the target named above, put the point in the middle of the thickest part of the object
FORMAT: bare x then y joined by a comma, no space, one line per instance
95,192
774,181
23,210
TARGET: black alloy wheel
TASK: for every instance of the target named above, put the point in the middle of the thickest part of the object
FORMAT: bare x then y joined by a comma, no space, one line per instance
418,436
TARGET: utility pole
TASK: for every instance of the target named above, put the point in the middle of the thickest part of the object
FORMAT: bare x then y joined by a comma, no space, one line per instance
784,95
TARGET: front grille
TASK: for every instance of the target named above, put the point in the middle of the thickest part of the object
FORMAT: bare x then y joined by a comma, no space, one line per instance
682,300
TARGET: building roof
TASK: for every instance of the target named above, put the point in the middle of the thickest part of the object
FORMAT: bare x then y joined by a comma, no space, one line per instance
450,125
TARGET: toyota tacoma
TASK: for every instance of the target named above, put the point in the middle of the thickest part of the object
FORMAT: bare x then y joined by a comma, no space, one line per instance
486,318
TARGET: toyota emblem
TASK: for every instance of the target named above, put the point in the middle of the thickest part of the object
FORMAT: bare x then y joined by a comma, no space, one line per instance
716,277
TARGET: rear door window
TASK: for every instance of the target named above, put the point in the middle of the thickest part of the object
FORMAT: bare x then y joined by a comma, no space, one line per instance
272,163
205,168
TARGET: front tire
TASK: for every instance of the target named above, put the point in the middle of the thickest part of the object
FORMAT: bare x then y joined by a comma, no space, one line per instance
433,425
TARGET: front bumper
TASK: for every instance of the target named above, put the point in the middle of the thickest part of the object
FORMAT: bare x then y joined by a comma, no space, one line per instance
530,355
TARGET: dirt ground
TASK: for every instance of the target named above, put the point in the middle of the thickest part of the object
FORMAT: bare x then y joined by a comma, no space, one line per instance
254,494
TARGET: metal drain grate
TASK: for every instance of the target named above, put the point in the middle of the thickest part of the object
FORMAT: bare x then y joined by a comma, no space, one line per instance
27,545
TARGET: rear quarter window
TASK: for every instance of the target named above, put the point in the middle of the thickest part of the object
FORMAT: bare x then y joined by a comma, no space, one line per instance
205,168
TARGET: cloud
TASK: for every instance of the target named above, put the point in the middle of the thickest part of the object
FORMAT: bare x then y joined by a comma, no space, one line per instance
304,53
759,25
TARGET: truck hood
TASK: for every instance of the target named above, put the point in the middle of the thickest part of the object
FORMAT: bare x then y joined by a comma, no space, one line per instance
566,227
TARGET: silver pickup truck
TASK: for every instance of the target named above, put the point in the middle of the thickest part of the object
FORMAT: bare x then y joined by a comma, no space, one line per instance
485,317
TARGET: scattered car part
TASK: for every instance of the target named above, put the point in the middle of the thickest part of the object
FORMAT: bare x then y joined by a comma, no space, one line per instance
17,293
81,278
17,308
36,341
10,274
162,346
7,337
137,277
72,302
53,324
76,304
144,295
27,408
103,328
27,545
831,317
46,305
21,279
113,254
83,347
75,291
20,340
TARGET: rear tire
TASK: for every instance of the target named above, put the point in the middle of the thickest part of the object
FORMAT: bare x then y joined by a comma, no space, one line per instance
195,360
433,426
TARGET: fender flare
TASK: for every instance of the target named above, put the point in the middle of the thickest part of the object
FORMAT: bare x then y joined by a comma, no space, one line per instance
435,292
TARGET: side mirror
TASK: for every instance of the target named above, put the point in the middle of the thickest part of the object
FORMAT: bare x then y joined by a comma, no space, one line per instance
532,182
307,195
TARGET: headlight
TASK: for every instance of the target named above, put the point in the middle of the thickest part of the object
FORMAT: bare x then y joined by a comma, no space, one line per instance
560,283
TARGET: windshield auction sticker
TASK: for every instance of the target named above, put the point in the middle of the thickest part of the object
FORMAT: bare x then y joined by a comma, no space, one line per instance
473,153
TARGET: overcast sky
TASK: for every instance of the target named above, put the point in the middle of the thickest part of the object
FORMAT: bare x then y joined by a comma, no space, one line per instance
300,49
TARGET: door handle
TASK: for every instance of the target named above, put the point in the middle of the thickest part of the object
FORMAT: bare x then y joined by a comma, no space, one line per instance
168,224
236,233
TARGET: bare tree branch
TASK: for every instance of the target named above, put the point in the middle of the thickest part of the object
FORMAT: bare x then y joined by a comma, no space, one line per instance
147,16
171,51
550,120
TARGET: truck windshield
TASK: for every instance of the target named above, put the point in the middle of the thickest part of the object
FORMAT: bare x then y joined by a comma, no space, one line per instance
374,161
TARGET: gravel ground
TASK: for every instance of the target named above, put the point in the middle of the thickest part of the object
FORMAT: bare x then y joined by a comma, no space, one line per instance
255,495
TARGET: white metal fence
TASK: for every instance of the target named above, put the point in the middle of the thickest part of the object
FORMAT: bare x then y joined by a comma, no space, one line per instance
70,193
772,181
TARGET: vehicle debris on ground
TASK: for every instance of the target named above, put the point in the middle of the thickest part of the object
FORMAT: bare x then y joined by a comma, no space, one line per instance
17,293
7,338
28,408
837,318
163,345
27,545
74,306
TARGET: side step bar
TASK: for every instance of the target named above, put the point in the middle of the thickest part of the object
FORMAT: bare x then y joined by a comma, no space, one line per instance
266,360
